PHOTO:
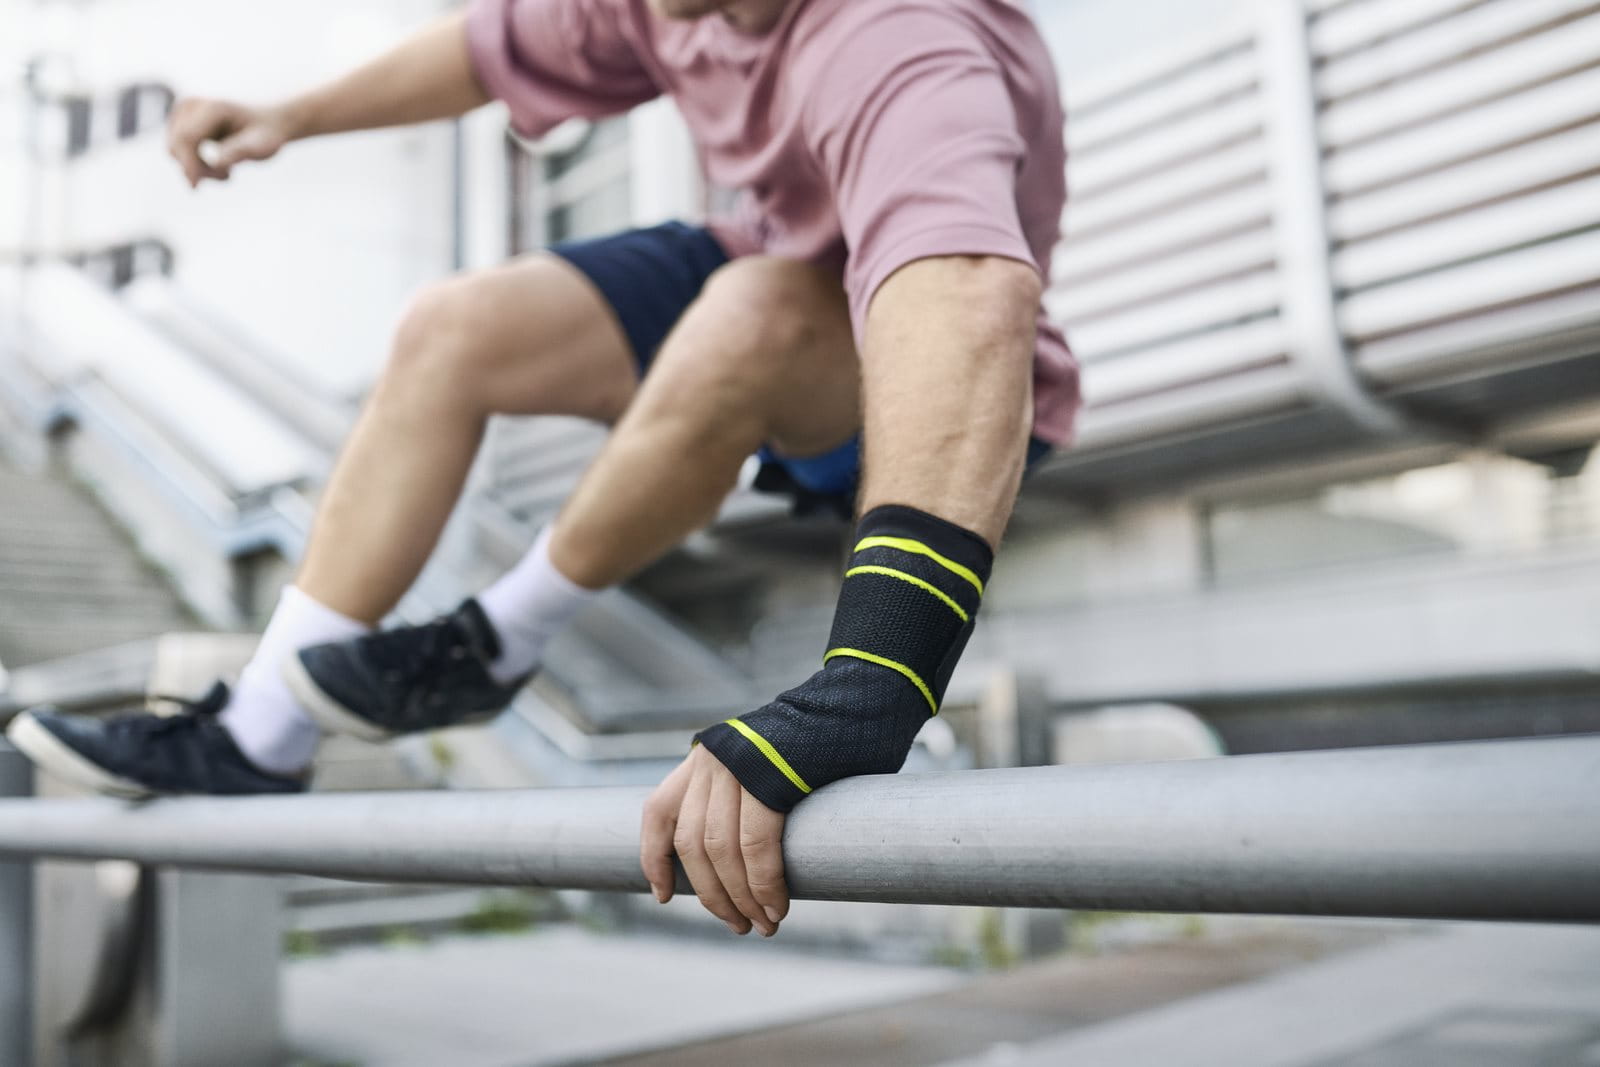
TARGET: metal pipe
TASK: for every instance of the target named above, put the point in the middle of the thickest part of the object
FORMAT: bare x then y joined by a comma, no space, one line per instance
1297,182
1498,830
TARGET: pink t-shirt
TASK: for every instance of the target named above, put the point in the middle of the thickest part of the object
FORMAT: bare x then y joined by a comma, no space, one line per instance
865,133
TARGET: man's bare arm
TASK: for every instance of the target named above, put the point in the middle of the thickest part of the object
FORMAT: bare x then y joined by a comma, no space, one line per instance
947,367
429,76
426,77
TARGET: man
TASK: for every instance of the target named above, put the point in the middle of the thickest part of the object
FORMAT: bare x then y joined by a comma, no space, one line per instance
908,149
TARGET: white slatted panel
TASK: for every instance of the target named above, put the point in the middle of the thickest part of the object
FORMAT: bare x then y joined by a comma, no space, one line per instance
1464,170
1197,89
1486,231
1128,290
1237,119
1118,207
1510,173
1476,30
1149,71
1518,64
1552,327
1475,287
1357,25
1155,236
1184,363
1166,275
1217,306
1494,126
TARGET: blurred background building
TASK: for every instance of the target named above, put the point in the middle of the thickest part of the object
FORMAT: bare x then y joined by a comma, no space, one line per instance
1332,267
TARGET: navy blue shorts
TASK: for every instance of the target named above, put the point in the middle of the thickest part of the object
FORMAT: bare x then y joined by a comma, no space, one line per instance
650,277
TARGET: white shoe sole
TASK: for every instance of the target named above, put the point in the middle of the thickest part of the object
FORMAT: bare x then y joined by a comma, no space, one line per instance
329,714
52,755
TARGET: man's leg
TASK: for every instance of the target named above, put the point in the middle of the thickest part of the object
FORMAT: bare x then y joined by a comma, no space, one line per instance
764,355
530,337
758,351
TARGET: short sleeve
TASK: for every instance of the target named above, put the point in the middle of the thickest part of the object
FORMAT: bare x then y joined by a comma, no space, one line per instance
917,135
553,60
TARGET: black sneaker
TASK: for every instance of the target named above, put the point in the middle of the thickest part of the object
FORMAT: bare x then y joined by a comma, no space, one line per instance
404,680
143,755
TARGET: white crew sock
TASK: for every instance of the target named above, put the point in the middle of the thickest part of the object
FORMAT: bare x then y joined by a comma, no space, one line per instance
266,721
528,606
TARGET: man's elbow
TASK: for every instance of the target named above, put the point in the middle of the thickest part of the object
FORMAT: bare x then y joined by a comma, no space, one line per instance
1003,296
997,296
1011,279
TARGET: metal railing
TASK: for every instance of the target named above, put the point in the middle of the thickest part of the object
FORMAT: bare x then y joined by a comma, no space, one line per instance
1495,831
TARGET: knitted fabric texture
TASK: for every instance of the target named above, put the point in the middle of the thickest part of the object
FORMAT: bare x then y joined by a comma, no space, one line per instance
906,609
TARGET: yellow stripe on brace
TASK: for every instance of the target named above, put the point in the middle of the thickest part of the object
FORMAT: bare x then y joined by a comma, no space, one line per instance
905,544
914,580
771,753
911,675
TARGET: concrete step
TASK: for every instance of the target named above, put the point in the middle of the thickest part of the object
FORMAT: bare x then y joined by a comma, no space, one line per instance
22,646
64,532
67,528
91,585
63,619
70,580
46,556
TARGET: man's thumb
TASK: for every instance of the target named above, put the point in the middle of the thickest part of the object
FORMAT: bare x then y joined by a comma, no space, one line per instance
250,143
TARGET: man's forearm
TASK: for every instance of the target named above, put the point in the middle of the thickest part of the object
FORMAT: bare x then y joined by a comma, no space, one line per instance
948,375
429,76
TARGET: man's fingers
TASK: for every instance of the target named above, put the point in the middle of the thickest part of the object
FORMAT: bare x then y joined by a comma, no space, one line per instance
193,123
689,840
761,843
656,828
252,142
655,847
722,848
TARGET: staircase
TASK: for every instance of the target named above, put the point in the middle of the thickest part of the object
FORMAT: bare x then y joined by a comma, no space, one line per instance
70,581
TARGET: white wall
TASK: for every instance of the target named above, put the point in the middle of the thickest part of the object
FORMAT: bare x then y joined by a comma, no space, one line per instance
314,254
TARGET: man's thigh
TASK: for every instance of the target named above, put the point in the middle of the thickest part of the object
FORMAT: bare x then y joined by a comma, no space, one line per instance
646,279
683,304
531,336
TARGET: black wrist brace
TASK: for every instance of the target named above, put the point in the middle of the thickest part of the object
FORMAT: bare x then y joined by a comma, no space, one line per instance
906,609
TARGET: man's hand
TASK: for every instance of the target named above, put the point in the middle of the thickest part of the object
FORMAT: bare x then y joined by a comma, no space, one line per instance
731,845
239,133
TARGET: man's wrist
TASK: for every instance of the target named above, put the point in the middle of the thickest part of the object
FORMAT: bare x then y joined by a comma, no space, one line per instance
909,600
295,118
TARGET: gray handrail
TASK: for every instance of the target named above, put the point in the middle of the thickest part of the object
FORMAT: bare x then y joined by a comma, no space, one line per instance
1496,830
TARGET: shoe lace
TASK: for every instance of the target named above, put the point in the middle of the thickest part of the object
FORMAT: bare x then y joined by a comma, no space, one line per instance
437,652
215,699
191,711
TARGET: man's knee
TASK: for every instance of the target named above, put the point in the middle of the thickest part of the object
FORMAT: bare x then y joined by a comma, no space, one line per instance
779,306
436,336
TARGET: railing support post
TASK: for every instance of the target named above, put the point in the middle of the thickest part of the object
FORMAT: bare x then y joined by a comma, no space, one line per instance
16,928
